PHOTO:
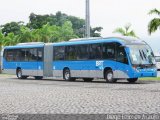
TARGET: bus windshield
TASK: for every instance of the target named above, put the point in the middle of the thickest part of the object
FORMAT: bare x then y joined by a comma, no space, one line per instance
141,55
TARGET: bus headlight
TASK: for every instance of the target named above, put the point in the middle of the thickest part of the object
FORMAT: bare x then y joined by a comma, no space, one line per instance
136,69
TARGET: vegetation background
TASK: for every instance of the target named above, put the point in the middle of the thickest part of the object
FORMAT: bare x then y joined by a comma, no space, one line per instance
45,28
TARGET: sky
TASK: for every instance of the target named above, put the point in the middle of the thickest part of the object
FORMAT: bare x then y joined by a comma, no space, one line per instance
108,14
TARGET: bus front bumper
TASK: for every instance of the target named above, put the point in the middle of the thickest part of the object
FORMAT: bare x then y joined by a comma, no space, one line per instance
145,73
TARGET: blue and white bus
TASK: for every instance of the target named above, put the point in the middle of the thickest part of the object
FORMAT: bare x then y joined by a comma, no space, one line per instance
111,58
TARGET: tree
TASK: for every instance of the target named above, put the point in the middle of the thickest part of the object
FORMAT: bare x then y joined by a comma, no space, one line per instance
13,27
1,39
36,35
10,39
78,25
125,31
46,32
53,33
60,18
66,32
154,24
95,32
45,28
49,33
25,35
37,21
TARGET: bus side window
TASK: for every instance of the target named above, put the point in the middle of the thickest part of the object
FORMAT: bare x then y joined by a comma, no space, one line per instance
108,51
71,53
9,55
5,54
16,55
121,55
40,54
95,51
22,55
59,53
33,54
82,52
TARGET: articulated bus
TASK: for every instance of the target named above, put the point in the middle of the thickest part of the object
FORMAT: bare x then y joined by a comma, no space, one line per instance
111,58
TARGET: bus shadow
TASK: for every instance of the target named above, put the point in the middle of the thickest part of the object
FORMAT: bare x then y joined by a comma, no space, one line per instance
121,82
94,81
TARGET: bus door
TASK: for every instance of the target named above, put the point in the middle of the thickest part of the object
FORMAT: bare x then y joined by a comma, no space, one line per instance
109,56
122,65
48,60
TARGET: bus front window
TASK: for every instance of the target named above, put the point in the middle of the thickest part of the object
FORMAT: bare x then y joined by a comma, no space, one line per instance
141,55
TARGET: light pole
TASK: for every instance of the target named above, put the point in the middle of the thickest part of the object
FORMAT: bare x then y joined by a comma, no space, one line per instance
87,21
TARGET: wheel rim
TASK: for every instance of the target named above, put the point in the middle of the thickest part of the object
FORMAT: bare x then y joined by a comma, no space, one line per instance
67,75
109,76
19,74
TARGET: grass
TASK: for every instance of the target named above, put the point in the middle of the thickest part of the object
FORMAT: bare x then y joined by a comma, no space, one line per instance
4,74
150,78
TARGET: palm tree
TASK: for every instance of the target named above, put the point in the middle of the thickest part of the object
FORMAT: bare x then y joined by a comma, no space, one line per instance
46,33
36,35
25,36
1,39
10,39
66,32
154,24
125,31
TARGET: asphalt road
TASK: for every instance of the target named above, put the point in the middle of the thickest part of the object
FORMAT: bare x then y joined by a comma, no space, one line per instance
61,97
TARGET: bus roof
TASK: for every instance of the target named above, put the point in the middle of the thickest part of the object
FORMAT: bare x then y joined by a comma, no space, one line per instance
25,45
122,40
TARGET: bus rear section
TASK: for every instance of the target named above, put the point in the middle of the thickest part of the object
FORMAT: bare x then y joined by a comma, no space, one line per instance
24,61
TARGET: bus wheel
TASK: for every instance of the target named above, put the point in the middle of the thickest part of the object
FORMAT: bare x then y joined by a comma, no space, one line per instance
19,74
109,77
38,77
67,75
87,79
132,80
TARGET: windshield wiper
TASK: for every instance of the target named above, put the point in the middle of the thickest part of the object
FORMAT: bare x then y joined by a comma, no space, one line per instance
144,55
140,54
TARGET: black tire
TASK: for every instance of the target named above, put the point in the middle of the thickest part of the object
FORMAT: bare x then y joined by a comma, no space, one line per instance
67,75
38,77
109,77
19,74
132,80
87,79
